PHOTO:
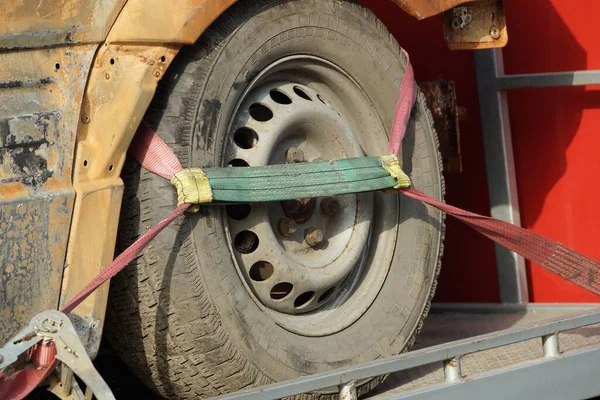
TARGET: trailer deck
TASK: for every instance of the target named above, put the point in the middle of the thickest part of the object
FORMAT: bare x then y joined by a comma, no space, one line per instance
470,351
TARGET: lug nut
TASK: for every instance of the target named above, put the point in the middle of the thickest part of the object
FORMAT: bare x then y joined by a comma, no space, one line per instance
330,206
287,226
299,210
313,236
294,155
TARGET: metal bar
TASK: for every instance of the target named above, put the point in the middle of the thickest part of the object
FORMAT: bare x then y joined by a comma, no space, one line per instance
66,378
500,169
571,376
413,359
496,308
551,79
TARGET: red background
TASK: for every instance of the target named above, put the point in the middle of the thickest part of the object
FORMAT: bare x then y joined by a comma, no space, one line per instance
556,138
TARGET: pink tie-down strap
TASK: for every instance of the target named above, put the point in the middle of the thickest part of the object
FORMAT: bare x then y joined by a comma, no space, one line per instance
157,157
404,105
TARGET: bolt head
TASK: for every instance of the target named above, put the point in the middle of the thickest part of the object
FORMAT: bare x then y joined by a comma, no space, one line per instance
495,32
294,155
313,237
287,226
299,210
455,24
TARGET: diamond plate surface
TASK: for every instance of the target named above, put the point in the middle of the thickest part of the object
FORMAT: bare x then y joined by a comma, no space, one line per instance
443,327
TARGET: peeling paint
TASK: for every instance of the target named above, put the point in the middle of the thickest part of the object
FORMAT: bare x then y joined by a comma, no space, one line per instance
39,106
28,239
29,24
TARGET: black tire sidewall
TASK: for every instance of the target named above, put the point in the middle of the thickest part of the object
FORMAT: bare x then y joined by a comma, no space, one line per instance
341,33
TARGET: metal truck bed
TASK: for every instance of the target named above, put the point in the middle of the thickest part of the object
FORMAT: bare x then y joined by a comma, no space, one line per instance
473,352
451,323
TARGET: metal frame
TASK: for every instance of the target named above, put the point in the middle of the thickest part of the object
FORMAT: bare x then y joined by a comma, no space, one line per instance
499,159
541,378
508,308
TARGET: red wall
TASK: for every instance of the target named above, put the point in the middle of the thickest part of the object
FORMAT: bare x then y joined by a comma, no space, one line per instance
555,135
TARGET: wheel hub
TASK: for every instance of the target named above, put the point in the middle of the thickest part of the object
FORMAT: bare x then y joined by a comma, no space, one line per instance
295,255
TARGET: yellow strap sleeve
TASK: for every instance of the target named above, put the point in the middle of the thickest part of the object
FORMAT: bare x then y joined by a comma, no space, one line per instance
392,165
192,186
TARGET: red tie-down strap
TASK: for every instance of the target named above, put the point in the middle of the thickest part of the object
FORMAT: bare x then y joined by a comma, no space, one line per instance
154,155
551,255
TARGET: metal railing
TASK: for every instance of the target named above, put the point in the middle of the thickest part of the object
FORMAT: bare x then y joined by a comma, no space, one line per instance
449,355
499,160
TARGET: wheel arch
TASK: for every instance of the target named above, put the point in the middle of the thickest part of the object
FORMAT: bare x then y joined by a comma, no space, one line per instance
185,24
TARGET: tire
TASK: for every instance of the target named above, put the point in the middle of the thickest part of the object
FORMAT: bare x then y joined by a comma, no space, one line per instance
181,316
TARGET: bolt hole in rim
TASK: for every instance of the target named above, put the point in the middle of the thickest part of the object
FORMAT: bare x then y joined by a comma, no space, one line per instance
238,162
300,92
279,97
281,290
326,294
261,271
245,138
304,299
239,212
318,290
260,112
246,242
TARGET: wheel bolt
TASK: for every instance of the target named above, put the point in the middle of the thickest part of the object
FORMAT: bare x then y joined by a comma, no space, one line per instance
330,206
294,155
313,236
287,226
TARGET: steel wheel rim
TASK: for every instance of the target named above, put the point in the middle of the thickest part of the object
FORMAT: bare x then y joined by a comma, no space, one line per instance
302,102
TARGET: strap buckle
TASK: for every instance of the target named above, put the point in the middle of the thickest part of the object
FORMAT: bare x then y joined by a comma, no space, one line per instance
49,335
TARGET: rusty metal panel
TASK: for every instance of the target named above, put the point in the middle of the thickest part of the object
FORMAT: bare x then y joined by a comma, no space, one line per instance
32,236
182,24
421,9
474,26
121,84
40,98
26,24
441,99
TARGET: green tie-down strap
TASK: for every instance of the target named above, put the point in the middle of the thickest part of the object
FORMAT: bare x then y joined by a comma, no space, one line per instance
289,181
